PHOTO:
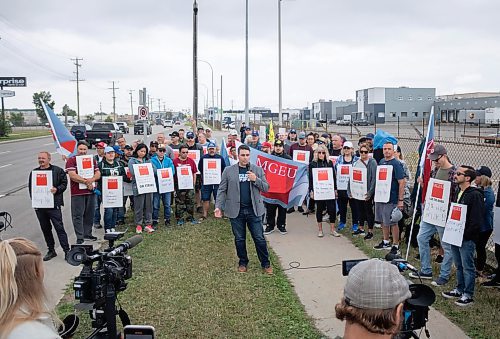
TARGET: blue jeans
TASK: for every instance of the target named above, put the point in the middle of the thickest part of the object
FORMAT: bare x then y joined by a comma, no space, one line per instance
424,235
97,213
110,216
466,271
238,224
166,201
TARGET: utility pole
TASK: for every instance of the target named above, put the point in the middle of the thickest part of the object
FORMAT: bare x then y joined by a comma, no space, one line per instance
78,65
247,117
114,100
221,110
280,108
131,102
195,64
159,108
100,110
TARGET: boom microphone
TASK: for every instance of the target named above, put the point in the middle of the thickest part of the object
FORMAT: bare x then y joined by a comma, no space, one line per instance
126,245
401,263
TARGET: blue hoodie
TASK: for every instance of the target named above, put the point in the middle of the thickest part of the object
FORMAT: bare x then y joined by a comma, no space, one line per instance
165,163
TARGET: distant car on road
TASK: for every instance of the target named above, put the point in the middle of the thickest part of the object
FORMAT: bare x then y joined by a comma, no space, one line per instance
344,123
177,122
361,122
80,131
139,127
106,132
168,124
123,126
492,138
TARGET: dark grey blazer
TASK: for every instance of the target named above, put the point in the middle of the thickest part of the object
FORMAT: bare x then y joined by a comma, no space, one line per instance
228,196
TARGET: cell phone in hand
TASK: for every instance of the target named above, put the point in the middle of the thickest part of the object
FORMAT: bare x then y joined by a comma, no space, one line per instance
139,332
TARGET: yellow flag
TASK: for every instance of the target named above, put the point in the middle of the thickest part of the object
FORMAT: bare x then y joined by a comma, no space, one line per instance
271,133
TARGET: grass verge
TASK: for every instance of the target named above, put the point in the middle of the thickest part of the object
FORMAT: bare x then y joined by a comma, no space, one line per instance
185,284
477,321
17,135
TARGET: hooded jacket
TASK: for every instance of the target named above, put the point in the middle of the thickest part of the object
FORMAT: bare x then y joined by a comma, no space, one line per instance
320,164
474,199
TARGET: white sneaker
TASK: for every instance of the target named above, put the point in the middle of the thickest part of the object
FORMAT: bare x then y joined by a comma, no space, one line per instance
377,225
334,234
320,234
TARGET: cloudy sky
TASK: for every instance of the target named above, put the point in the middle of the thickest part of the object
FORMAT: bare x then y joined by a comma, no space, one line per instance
330,48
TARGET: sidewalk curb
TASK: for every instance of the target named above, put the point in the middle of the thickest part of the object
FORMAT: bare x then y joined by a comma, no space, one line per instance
25,139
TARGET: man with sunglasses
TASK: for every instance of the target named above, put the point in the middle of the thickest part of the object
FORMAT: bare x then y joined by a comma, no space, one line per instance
184,199
194,146
160,161
443,170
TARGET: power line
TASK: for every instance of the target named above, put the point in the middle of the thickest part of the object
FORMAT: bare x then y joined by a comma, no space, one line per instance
78,65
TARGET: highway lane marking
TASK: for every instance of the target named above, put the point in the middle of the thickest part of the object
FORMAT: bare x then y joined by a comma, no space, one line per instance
2,195
53,152
3,166
50,143
5,152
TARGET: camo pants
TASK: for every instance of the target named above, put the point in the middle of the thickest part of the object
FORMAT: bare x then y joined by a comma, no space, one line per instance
184,205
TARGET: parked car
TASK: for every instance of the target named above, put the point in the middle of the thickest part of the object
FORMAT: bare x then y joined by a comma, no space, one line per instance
106,132
139,127
492,138
80,131
168,124
361,122
344,123
123,126
177,122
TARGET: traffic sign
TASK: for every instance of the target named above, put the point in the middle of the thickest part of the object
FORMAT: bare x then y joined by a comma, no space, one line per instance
5,93
13,81
143,112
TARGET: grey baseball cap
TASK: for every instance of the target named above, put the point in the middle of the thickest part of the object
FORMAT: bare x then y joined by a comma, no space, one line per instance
437,151
375,284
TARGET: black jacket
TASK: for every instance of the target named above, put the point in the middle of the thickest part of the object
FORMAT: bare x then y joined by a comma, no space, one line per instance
282,155
59,181
320,164
474,199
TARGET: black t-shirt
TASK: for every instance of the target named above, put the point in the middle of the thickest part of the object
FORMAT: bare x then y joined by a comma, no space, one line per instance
245,195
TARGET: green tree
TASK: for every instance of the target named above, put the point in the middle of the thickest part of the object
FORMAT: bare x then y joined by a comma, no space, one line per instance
4,128
47,99
70,112
17,119
108,119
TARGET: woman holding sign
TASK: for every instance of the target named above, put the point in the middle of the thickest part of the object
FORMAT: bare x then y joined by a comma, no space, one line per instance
317,178
343,173
143,196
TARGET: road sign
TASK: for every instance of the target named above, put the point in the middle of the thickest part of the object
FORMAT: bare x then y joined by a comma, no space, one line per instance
143,113
13,81
5,93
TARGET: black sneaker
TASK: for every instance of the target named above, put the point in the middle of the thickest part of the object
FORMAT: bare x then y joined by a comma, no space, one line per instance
268,230
79,241
66,255
395,250
282,230
452,294
300,209
167,222
382,246
50,255
421,275
439,259
91,238
368,236
290,210
358,232
97,226
465,300
491,284
199,210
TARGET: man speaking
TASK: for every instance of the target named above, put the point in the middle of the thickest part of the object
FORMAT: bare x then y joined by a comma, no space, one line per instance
244,206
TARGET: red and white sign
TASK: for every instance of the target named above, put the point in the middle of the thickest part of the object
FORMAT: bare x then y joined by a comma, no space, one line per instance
41,183
143,112
165,180
176,153
301,156
437,198
343,176
383,183
455,225
144,178
358,183
85,168
211,171
323,185
185,178
112,192
127,186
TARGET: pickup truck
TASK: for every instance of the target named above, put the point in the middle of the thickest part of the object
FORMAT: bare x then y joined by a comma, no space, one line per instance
106,132
139,127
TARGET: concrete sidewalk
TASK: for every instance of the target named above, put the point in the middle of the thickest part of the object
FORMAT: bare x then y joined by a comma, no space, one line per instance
319,289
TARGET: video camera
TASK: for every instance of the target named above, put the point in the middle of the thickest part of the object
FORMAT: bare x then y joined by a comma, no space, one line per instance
416,308
103,275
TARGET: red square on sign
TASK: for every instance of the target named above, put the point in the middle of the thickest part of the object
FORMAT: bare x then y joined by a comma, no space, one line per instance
382,174
356,175
184,171
41,179
456,212
301,157
112,184
344,170
322,175
192,155
165,174
86,163
437,191
143,170
212,165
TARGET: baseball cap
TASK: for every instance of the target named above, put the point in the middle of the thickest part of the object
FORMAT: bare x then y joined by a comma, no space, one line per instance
278,143
255,133
396,215
325,135
348,144
108,149
162,146
100,145
118,150
248,128
437,151
321,141
483,170
208,130
153,143
375,284
293,130
174,134
190,135
211,145
302,135
200,128
267,144
128,147
233,132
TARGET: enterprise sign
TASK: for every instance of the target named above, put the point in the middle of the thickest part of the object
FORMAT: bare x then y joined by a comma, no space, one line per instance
13,81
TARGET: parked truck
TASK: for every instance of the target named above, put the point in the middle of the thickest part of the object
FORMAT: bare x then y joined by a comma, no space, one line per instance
492,116
106,132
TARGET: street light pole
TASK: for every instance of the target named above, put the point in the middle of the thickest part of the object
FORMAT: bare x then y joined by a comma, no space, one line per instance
212,71
195,63
247,117
280,117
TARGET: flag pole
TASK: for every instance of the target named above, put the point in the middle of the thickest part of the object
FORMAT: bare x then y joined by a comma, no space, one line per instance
417,201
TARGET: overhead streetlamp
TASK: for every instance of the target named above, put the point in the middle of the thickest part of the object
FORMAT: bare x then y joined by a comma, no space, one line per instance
280,116
212,72
195,63
247,117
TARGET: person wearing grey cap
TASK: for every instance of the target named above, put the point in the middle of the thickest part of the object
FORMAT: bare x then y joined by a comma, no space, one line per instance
372,305
302,146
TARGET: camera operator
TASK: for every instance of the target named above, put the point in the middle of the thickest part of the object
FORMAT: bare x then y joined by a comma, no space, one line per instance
373,300
23,309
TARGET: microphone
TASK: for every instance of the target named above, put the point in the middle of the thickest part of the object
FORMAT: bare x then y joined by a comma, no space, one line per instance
127,244
248,167
401,263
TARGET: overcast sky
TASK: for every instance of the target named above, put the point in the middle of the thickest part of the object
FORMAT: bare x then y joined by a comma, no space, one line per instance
331,48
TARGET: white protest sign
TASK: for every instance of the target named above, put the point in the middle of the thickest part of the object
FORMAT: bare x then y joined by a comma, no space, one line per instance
282,130
437,199
301,156
211,171
185,178
176,153
323,186
358,183
85,168
262,133
496,225
127,186
383,183
112,191
144,178
454,230
195,155
41,183
165,180
343,176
